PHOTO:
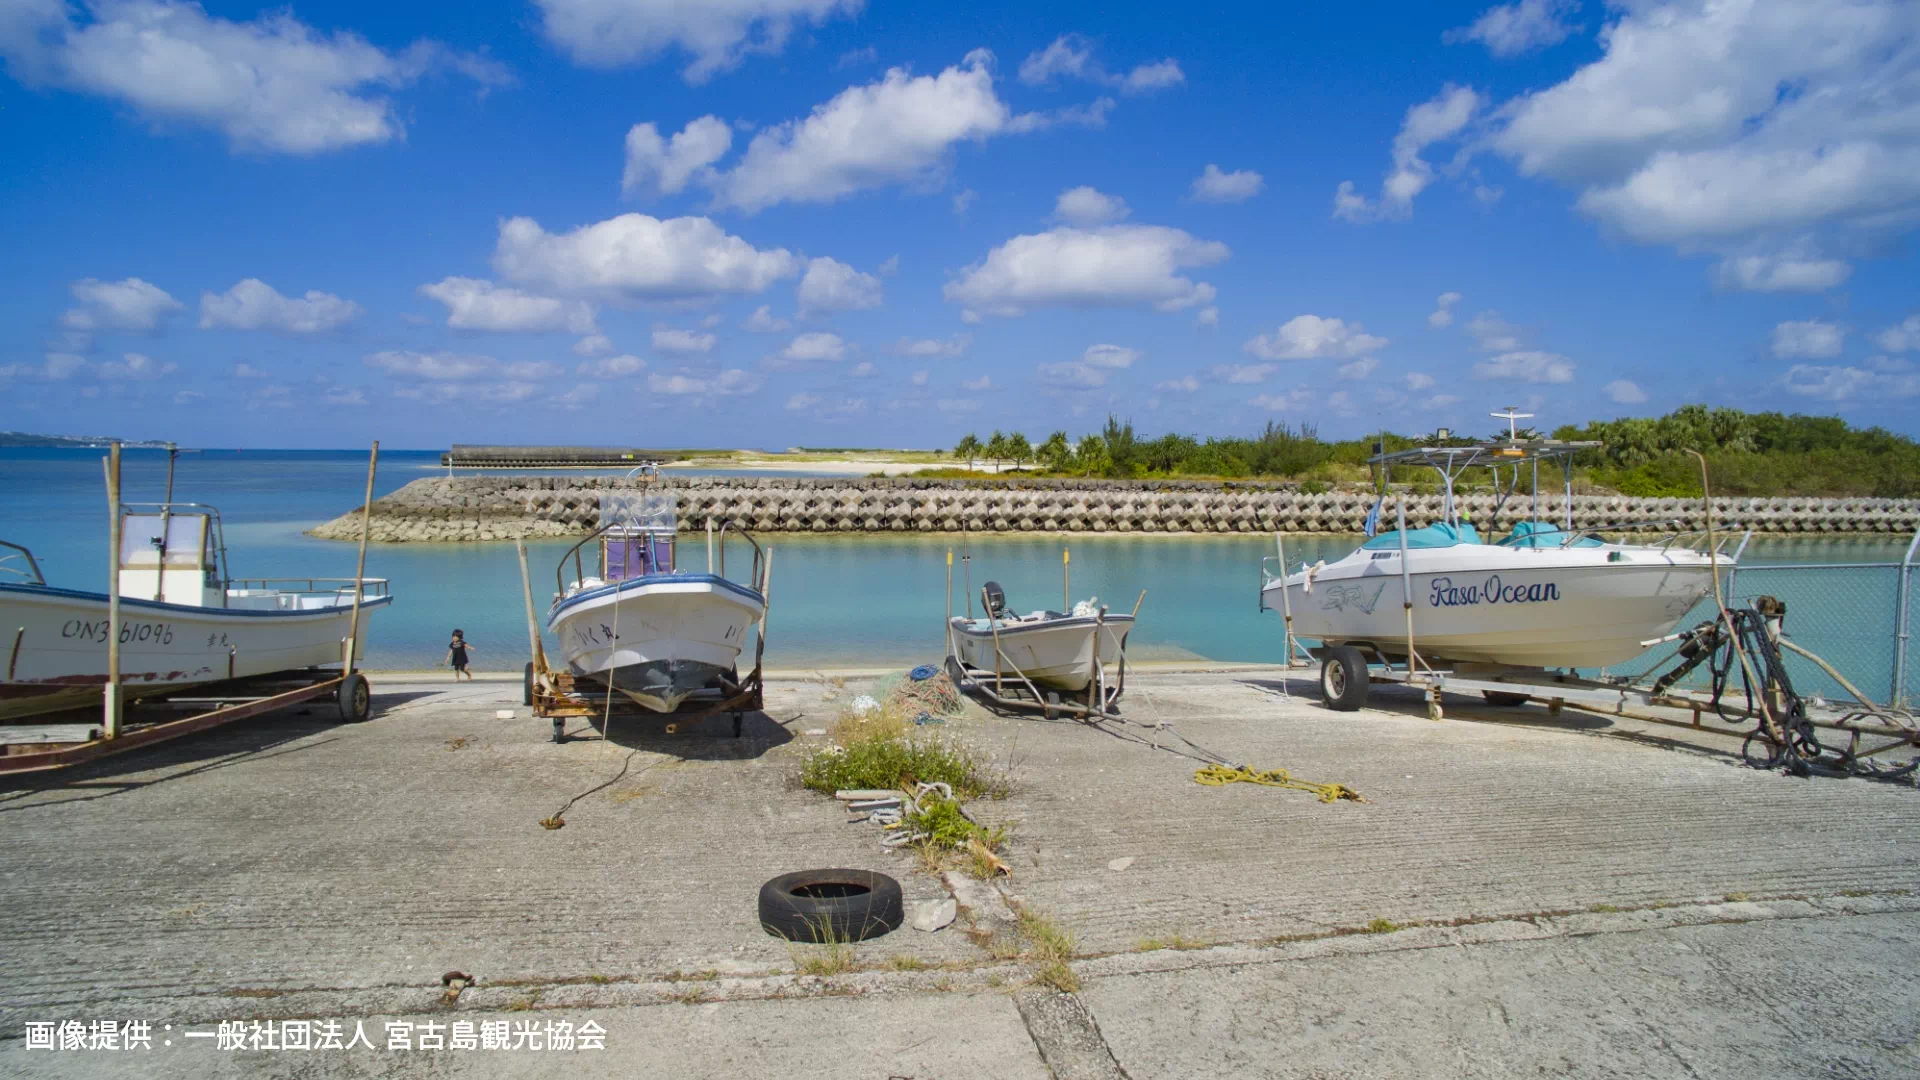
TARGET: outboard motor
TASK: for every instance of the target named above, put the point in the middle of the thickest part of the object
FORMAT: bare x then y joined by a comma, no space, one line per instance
995,599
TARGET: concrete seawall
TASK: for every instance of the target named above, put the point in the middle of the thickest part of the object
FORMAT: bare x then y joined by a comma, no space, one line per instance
482,508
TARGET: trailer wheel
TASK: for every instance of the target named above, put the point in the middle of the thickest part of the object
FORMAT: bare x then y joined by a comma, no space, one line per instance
1504,700
526,686
354,699
1343,679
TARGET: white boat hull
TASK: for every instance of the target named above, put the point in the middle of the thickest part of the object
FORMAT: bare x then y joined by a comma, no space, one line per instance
656,639
54,645
1056,653
1551,608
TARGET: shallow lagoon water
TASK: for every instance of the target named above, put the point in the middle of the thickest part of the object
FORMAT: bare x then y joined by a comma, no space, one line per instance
840,600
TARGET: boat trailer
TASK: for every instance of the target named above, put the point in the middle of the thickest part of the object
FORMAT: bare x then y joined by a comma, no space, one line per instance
561,696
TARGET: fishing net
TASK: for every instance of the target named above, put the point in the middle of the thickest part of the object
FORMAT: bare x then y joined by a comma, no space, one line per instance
934,694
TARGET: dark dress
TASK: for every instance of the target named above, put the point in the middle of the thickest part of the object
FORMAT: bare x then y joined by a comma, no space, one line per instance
459,649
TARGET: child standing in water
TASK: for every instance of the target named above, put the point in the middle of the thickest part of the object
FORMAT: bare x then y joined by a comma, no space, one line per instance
457,656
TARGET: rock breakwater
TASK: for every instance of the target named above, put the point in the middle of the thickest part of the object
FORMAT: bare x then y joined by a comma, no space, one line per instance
483,508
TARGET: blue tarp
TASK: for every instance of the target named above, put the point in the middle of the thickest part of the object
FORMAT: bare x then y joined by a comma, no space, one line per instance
1433,536
1540,534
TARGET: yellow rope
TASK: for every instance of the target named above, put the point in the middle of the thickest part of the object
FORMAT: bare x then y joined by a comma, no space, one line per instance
1222,775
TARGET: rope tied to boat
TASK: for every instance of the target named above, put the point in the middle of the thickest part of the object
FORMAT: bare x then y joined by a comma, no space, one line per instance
1222,775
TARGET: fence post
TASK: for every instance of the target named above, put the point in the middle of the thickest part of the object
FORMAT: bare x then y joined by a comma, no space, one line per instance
1901,614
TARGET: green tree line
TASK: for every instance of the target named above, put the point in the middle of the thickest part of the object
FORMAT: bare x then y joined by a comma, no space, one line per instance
1748,453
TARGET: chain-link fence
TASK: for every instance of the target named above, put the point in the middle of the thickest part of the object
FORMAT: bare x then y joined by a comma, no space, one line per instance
1857,616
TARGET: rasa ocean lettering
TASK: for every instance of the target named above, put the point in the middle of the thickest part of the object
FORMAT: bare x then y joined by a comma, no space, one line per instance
1490,591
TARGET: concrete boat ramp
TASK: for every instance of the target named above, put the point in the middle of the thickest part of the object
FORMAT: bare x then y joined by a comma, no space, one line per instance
1522,894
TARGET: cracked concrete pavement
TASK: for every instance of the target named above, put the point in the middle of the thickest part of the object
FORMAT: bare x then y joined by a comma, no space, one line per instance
1568,895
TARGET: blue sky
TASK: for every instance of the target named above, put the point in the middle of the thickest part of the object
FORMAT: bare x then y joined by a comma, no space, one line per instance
862,222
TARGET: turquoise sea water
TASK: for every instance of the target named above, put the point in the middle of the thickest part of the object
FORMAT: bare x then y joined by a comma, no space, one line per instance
837,600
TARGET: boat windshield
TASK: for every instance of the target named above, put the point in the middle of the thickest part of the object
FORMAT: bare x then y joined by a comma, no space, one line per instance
1545,534
1433,536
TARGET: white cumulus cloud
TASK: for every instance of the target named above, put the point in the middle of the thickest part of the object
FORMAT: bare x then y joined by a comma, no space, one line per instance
1071,56
254,305
1085,206
763,321
1512,29
714,34
1809,339
1779,273
1903,336
1427,123
674,340
636,258
1112,266
611,367
475,304
830,285
128,304
732,381
1307,337
1625,392
137,367
273,83
1094,367
665,166
900,130
816,347
1442,315
1527,366
1215,186
949,349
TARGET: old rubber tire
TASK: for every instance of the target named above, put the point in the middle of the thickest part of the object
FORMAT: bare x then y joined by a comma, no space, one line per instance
526,686
1495,697
826,906
1343,679
354,699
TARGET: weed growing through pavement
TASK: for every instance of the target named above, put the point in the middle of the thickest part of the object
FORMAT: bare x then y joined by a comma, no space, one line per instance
1179,942
906,962
1382,926
883,749
1050,948
830,954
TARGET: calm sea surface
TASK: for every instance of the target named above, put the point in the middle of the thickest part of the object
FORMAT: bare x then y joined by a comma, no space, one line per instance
842,600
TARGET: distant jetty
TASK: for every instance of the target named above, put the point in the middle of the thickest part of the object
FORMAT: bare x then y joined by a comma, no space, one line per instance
470,456
484,508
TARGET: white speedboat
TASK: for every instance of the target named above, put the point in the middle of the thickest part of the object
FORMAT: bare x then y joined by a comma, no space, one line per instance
183,621
1053,649
1544,596
639,625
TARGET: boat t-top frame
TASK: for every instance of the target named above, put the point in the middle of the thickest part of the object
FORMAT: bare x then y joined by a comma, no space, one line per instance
1451,461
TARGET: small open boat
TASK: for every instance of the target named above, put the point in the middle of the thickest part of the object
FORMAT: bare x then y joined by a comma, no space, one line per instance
1053,649
642,626
184,621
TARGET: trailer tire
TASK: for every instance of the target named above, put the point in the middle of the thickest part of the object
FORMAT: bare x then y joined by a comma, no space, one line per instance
1504,700
354,699
1343,679
829,906
526,686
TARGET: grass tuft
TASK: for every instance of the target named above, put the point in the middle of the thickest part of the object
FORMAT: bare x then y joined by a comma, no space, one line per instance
830,955
1050,948
1382,926
884,749
906,962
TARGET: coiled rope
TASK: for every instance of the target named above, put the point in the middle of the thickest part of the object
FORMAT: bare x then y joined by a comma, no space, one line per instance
1222,775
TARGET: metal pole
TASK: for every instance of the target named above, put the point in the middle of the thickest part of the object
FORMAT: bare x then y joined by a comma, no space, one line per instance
948,625
111,701
1902,615
709,544
166,527
1066,583
360,567
1406,581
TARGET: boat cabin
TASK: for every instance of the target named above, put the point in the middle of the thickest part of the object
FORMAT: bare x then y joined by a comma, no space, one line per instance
172,553
638,535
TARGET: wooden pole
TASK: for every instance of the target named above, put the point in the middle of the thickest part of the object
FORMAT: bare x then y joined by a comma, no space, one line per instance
360,567
111,703
166,527
535,651
1066,582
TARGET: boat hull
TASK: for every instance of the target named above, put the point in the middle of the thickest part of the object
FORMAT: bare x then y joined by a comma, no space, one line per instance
1057,654
54,645
656,639
1585,608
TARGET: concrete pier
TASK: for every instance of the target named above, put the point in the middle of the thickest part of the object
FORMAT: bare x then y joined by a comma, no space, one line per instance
1523,894
485,508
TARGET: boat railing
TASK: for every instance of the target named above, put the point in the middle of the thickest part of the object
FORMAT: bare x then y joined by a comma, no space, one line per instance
314,586
29,573
759,553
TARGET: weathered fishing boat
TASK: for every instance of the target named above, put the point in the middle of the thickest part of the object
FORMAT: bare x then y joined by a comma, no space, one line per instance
640,625
184,621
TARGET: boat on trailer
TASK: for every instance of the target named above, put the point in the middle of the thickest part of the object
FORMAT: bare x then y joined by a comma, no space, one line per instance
184,621
639,624
1057,650
1544,596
